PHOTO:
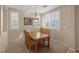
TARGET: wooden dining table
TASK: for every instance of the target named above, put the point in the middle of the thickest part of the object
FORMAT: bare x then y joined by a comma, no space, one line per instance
36,36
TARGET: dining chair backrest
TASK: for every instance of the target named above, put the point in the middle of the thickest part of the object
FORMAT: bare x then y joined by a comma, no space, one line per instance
42,30
45,30
27,38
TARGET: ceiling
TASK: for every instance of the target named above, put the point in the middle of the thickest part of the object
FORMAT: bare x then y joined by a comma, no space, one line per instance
31,8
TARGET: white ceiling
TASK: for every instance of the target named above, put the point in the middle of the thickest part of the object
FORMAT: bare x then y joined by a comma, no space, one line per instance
31,8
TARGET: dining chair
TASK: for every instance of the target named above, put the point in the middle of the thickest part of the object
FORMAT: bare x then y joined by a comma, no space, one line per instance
48,31
25,37
45,31
30,44
42,30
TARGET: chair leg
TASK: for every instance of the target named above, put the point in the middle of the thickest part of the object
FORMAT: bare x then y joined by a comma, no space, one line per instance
27,45
48,42
30,51
36,48
30,48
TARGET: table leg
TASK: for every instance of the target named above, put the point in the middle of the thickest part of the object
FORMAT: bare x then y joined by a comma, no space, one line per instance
48,42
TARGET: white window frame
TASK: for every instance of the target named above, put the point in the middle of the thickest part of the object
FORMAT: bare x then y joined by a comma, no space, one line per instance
14,24
48,17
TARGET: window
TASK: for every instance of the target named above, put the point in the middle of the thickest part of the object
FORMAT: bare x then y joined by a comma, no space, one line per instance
14,20
52,20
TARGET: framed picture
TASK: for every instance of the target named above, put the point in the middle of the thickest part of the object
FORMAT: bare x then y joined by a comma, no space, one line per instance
28,21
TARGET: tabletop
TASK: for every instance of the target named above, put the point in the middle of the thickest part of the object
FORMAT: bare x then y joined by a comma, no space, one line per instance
38,35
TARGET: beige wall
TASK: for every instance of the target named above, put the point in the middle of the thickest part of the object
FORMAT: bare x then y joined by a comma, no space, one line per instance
5,18
68,25
77,28
66,34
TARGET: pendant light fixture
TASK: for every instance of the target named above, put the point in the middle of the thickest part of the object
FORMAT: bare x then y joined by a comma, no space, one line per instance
36,13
